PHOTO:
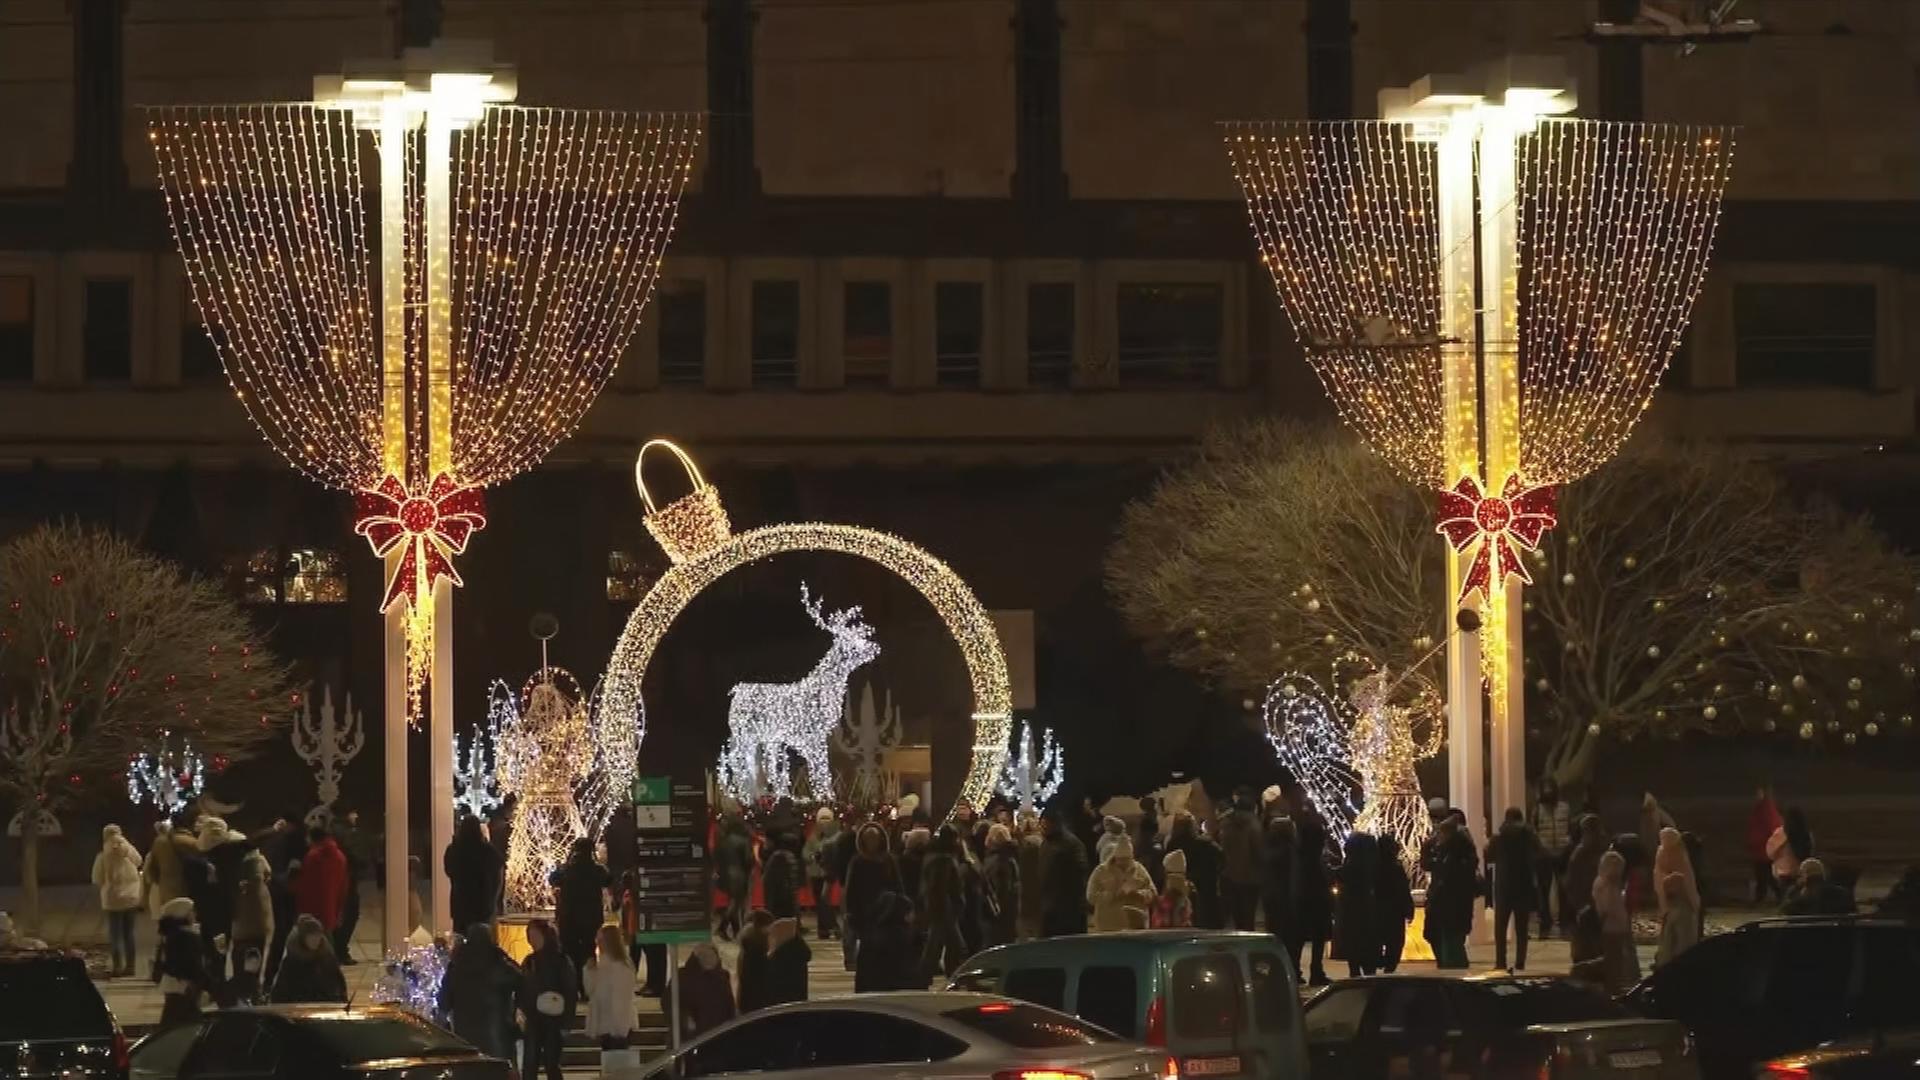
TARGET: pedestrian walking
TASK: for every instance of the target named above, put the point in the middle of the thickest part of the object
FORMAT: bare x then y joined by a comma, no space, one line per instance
1395,904
608,985
309,973
1174,908
223,851
1028,852
913,855
116,872
549,995
161,872
580,906
1120,890
733,871
1583,863
707,995
477,993
1679,918
353,844
1063,874
1790,845
1001,881
888,959
475,874
1512,856
252,929
180,965
1620,965
1358,923
1240,847
1203,869
819,857
787,958
1653,818
870,873
1313,891
1279,871
1452,883
1763,820
1553,825
756,990
1148,845
942,905
780,880
320,887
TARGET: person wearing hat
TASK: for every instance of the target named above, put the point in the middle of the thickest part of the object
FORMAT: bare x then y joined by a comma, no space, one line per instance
818,854
1120,891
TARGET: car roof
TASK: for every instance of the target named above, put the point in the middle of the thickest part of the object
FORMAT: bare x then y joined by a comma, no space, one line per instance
296,1013
30,956
1145,940
1784,922
918,1002
1525,982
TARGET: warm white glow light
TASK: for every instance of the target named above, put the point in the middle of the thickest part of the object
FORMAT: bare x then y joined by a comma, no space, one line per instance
1035,771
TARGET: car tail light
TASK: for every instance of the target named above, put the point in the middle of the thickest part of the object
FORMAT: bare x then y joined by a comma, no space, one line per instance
121,1058
1157,1023
1791,1069
1172,1070
1040,1074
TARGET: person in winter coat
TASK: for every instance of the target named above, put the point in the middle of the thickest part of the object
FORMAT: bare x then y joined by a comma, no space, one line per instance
1763,820
1358,923
913,852
1120,891
787,959
708,1000
1313,892
1148,845
1553,823
1679,918
1279,867
162,873
180,967
12,940
1653,818
1619,964
309,973
756,991
609,986
252,928
1671,859
1790,845
819,856
1583,862
475,874
780,880
1395,904
1512,855
1112,831
116,870
548,996
1817,894
1203,869
580,904
888,959
1174,908
1029,851
733,870
1453,870
942,904
1000,877
1240,845
870,873
477,993
1063,875
320,888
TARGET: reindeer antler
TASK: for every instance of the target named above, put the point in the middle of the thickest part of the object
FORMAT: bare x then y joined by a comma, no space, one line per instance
811,605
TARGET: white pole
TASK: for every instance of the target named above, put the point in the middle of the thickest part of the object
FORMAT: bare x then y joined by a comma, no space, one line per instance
439,148
393,409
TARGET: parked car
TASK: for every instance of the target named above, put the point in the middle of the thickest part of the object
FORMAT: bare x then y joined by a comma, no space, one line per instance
885,1036
1884,1056
1224,1004
53,1022
1489,1028
1780,987
312,1042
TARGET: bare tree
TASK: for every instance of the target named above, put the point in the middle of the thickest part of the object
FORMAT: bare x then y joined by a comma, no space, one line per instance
102,648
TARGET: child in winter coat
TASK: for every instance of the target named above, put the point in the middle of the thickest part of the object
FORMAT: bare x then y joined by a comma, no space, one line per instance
609,984
252,927
1174,909
787,958
116,870
309,972
180,966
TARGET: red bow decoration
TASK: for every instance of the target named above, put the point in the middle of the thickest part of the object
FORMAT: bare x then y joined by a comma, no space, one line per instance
435,526
1519,515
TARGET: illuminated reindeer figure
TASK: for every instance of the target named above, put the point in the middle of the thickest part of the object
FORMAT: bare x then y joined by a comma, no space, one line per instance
766,720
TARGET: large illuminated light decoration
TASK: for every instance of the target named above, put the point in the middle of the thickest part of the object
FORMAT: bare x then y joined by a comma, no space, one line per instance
866,734
615,741
476,773
1355,756
700,542
545,750
329,744
769,723
1035,771
166,778
1477,270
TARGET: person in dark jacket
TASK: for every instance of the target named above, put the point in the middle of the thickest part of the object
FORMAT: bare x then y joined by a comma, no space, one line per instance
1395,904
1453,871
942,904
1313,891
1359,922
1203,869
1063,874
309,972
913,853
477,993
1583,862
1240,849
1279,865
1512,855
283,844
180,965
733,869
1000,877
1817,894
1148,846
888,959
780,879
709,994
756,987
225,850
549,994
787,959
580,905
870,873
475,874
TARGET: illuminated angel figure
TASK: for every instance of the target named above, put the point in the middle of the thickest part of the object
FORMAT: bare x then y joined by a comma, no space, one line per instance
545,750
1356,757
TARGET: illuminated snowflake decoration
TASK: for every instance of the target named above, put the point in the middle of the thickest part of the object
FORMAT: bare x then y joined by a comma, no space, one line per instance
476,774
167,778
1035,770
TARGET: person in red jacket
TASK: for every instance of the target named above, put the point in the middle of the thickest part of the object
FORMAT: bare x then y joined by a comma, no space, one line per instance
320,887
1762,820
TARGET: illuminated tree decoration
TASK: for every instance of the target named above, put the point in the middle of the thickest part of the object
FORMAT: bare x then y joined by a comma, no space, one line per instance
411,977
328,743
769,723
699,540
166,778
543,752
420,334
866,734
1035,771
476,773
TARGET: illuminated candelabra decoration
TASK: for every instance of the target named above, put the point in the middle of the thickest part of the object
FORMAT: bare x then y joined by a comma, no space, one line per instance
1035,770
166,778
770,723
328,743
1355,756
866,734
700,542
1473,266
544,751
476,772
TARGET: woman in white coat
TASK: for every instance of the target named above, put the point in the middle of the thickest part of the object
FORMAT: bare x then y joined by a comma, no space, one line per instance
1120,890
116,870
609,983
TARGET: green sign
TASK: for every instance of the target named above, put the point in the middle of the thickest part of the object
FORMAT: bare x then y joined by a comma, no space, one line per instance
652,790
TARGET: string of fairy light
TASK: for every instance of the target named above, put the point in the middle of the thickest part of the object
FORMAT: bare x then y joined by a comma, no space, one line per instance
545,751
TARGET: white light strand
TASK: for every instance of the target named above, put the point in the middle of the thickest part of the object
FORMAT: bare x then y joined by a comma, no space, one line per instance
543,753
166,778
1035,771
476,772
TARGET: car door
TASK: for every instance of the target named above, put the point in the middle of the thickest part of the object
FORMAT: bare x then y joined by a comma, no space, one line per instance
238,1046
1412,1031
818,1044
1333,1023
1714,989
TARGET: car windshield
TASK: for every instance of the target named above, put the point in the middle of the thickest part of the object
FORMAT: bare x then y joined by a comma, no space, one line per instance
50,999
358,1039
1526,1004
1029,1027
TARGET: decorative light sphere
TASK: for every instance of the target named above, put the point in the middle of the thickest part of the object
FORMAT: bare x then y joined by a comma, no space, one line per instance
1329,639
1853,704
1541,685
1906,719
1710,713
1811,637
1786,709
1859,616
1806,729
1850,738
1906,670
1201,633
1773,692
1660,715
1833,726
1768,724
1313,605
1720,640
1247,703
1630,561
1653,652
1593,729
1914,634
1566,579
1872,728
1799,682
1659,605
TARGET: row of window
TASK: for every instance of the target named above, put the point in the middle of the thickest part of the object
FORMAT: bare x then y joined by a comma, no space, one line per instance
275,575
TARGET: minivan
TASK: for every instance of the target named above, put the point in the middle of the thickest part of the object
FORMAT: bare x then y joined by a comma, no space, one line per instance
1224,1004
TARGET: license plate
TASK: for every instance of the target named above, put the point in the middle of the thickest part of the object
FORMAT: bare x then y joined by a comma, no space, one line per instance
1634,1059
1217,1066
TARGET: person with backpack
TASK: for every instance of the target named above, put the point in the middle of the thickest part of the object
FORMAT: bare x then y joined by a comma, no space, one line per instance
1001,876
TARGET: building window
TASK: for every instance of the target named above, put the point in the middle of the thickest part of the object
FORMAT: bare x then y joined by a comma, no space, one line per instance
959,330
1050,319
868,333
1805,334
16,328
107,340
776,333
683,332
315,576
1169,334
199,356
254,577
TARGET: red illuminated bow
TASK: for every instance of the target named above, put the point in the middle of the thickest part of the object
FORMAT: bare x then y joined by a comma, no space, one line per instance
1519,515
435,526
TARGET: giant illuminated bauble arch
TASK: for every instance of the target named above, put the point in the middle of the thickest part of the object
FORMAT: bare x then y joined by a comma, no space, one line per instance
700,542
